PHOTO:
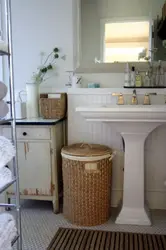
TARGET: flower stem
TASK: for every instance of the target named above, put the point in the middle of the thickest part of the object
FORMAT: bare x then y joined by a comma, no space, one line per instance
48,58
48,77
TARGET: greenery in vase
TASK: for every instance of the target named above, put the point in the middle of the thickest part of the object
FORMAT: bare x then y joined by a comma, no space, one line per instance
143,55
148,59
47,65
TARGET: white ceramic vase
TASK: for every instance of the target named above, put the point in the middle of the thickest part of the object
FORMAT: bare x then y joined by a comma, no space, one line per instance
32,104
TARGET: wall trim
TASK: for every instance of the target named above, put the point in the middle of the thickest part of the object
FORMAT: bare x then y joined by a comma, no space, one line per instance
113,67
108,91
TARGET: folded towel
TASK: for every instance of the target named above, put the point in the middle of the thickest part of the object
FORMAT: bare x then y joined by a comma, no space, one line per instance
7,151
8,227
3,46
8,231
4,109
5,219
3,90
8,235
7,243
5,176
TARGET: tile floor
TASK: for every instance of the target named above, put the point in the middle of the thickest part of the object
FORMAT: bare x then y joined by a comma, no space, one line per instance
39,224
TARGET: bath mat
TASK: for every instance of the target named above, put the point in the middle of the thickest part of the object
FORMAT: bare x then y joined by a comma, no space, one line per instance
80,239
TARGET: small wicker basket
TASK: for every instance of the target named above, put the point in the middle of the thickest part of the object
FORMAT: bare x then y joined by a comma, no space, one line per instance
87,183
54,108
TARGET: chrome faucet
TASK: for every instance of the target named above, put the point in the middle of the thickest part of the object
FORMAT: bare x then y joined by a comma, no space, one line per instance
134,100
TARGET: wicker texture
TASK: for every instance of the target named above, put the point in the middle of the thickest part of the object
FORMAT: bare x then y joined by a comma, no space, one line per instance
86,150
86,193
53,108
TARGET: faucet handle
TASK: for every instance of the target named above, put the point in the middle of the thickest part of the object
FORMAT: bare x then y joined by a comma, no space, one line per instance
153,93
147,98
120,98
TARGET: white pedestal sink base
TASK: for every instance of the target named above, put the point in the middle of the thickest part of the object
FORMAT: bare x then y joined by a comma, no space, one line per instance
133,216
133,208
134,123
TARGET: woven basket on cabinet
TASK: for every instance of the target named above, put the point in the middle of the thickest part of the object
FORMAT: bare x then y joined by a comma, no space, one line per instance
87,186
54,108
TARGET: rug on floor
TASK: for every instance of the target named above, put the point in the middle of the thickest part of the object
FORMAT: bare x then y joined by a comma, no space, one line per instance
77,239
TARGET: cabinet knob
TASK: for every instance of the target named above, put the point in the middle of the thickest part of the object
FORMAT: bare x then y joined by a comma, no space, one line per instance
24,133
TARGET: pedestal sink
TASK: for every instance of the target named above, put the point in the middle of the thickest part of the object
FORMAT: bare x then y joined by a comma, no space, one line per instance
134,123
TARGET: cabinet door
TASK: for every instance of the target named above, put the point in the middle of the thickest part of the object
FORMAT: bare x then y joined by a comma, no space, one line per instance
34,164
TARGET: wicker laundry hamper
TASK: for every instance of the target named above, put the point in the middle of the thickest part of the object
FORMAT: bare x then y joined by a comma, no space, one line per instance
87,183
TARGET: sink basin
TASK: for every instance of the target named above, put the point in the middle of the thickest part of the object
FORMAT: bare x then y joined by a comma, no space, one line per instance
125,113
134,123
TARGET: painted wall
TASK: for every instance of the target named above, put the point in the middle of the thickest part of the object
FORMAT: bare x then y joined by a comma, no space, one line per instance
93,11
129,8
41,25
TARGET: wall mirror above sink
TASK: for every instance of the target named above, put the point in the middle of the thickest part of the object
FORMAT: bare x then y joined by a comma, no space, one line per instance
112,32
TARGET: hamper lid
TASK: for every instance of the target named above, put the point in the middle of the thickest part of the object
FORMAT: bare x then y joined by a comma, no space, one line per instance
85,149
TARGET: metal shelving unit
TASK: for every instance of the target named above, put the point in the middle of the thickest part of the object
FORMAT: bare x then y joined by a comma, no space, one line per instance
12,120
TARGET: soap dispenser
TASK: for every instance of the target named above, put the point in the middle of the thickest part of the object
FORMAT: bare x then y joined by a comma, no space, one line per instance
133,76
147,81
127,82
138,79
162,75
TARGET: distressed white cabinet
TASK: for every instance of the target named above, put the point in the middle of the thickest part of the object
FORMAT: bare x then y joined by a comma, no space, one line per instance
39,159
35,170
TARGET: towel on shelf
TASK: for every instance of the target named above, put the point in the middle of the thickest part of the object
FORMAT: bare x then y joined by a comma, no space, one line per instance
5,218
5,176
7,151
7,243
4,109
8,231
3,90
3,46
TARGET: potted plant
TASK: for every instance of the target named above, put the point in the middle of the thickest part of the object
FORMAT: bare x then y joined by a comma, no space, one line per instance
47,65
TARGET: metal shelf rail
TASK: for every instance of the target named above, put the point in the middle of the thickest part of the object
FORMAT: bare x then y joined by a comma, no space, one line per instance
12,120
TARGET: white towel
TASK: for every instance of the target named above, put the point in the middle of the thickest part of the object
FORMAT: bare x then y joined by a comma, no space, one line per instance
3,46
4,109
5,218
3,90
7,151
8,231
8,236
7,245
5,176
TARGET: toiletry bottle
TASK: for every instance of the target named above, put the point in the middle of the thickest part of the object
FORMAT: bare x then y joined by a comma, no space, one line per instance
138,79
157,77
132,76
127,76
147,82
162,76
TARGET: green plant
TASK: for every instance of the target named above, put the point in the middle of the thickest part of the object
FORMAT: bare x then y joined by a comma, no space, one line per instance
143,54
47,65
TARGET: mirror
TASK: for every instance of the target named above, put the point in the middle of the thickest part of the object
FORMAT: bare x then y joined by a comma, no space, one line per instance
118,31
